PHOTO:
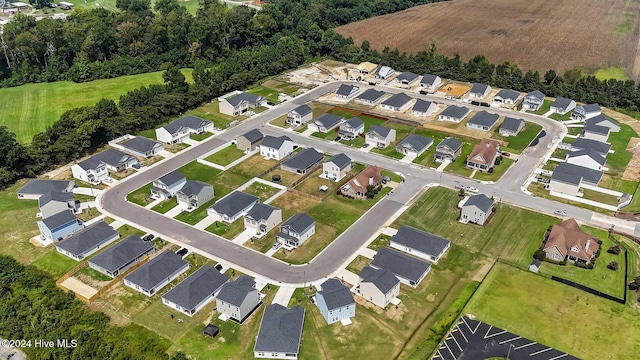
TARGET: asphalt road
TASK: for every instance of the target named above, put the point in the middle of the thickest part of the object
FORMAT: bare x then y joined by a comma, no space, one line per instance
508,189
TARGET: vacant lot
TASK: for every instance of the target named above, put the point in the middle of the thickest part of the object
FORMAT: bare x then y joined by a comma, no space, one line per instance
525,32
556,315
225,156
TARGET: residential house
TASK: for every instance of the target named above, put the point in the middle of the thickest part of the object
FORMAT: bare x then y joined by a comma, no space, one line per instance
581,143
533,100
179,130
35,188
508,97
419,243
116,259
336,167
96,168
568,178
454,113
300,115
351,128
335,301
562,105
397,102
262,218
238,299
535,266
483,120
346,92
357,187
476,209
566,241
280,333
406,79
296,230
584,112
370,97
142,147
238,104
595,132
232,206
384,73
302,162
152,276
423,108
366,68
325,123
409,270
194,194
483,156
276,147
380,136
58,226
168,185
430,82
604,121
54,202
414,145
511,126
589,158
87,241
448,150
196,291
249,141
378,286
479,91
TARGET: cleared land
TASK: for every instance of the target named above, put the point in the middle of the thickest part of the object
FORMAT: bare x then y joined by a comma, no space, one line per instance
524,32
28,109
565,318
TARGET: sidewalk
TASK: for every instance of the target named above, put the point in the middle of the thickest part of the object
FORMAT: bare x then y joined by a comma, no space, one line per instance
173,212
87,191
206,222
366,252
283,295
153,203
243,237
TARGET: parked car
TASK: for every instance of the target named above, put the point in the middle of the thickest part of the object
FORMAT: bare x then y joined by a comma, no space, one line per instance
364,146
277,245
506,154
338,138
218,267
271,103
460,186
386,179
560,213
471,189
182,252
148,237
543,180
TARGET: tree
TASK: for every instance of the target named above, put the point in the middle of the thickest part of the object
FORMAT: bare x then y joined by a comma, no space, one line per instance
613,265
370,191
615,249
539,254
41,4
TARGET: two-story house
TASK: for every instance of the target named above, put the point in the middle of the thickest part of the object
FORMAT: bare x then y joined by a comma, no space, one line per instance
336,167
54,202
58,226
232,206
193,194
249,141
167,185
351,128
584,112
335,301
378,286
484,155
296,230
448,150
276,147
300,115
262,218
238,299
96,168
238,104
533,100
380,136
179,130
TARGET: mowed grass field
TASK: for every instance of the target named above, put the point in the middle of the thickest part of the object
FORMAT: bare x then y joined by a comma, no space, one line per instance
28,109
553,314
601,37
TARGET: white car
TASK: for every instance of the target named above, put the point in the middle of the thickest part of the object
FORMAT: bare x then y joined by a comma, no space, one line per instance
560,213
460,186
471,189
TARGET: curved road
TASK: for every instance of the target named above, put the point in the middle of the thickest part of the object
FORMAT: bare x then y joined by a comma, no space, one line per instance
508,189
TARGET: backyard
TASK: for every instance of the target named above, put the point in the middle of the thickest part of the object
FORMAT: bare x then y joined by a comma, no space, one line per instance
312,184
225,156
55,263
263,191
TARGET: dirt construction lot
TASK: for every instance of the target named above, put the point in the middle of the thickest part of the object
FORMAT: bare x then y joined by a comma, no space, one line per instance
536,34
455,90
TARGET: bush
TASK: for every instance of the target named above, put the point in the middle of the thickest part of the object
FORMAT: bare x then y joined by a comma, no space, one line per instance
615,249
498,160
580,264
539,254
563,262
613,265
490,170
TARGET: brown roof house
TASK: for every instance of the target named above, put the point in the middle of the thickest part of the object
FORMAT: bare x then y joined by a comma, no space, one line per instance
484,155
357,187
567,241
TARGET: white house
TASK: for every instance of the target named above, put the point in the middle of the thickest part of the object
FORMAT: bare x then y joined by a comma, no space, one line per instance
335,301
179,130
325,123
419,243
409,270
351,128
587,158
346,92
233,206
562,105
533,100
35,188
568,178
605,121
262,218
414,145
276,147
511,126
483,120
505,96
479,91
296,230
430,82
405,79
384,73
378,286
370,97
196,291
380,136
87,241
595,132
584,112
423,108
238,299
238,104
300,115
280,333
476,209
167,185
96,168
397,102
142,147
336,167
151,277
454,113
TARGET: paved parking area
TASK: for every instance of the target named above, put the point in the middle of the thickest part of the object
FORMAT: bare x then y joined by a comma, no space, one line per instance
472,339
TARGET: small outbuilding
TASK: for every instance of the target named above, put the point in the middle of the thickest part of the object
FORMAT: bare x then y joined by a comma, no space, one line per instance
211,330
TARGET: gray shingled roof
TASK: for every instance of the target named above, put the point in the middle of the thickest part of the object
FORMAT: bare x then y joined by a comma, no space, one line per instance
354,122
381,278
478,88
600,147
483,118
456,112
41,187
590,153
596,129
253,135
304,160
187,121
156,270
88,238
482,201
511,124
140,144
536,94
420,240
422,105
197,287
561,102
379,130
54,196
371,95
328,120
298,222
122,253
590,108
236,291
235,100
416,142
428,79
407,77
340,160
397,100
303,110
335,294
274,142
261,211
451,142
280,330
345,90
110,157
193,187
59,219
508,94
171,178
234,203
571,173
399,264
601,118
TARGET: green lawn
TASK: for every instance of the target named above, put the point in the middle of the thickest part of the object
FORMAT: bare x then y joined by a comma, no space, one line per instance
617,73
401,130
55,264
141,196
166,205
196,171
96,275
513,234
561,117
426,158
519,142
359,263
619,141
28,109
201,137
263,191
227,231
600,197
609,182
196,215
546,105
269,94
157,318
380,242
557,315
393,176
329,135
635,201
281,86
211,112
497,173
226,156
457,167
312,184
537,189
389,151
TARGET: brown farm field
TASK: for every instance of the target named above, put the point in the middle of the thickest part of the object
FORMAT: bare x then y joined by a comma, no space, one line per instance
535,34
